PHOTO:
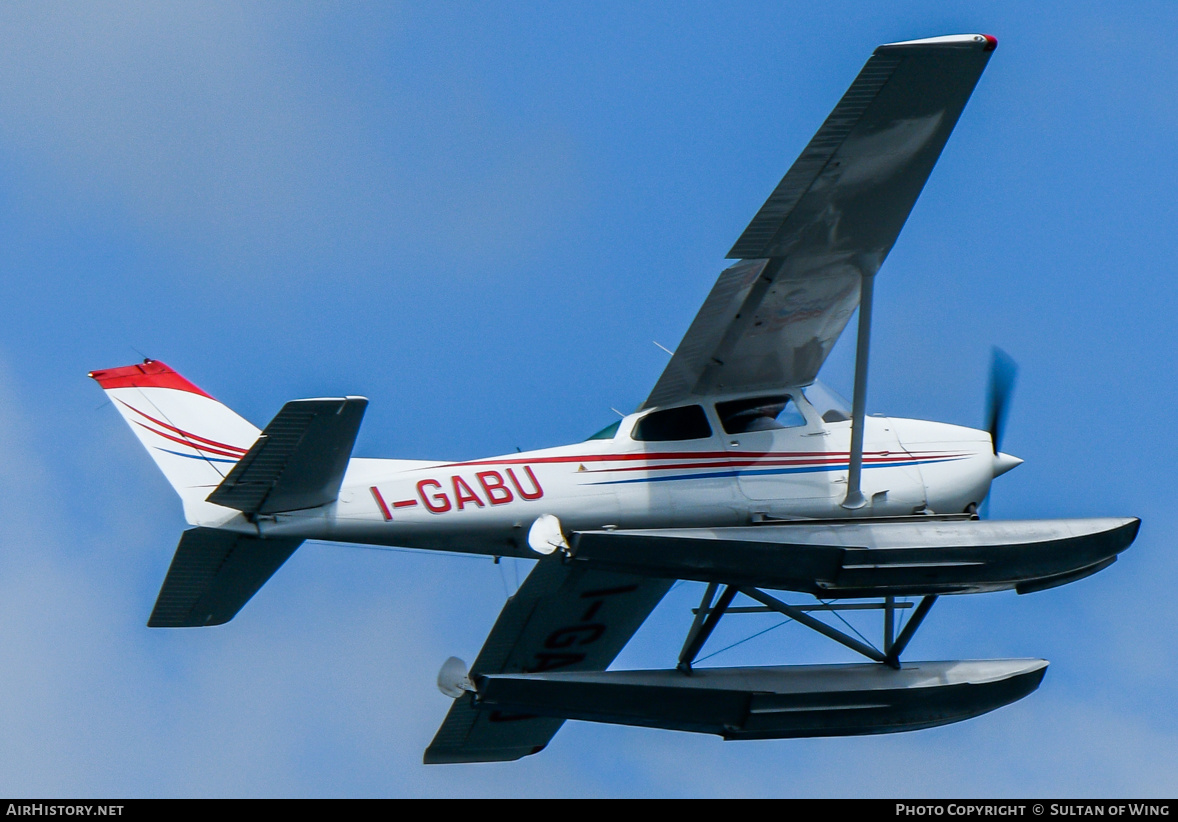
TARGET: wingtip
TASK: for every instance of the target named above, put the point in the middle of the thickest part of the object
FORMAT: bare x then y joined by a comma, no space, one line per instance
987,42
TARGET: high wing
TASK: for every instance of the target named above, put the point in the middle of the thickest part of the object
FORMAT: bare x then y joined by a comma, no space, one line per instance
771,320
562,618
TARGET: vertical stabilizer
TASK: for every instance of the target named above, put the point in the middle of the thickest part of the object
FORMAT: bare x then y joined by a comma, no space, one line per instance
194,439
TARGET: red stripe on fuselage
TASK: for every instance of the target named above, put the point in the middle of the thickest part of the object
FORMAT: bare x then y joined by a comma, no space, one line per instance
714,458
643,455
741,463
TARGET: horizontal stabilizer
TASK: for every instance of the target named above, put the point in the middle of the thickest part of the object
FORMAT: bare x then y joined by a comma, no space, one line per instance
298,461
867,559
214,574
774,702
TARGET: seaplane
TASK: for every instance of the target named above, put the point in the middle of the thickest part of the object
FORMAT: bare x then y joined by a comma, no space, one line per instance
740,472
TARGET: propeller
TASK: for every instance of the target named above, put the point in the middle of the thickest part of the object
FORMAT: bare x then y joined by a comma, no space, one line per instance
1002,373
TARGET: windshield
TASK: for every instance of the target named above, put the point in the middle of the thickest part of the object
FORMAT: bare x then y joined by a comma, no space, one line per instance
606,433
828,403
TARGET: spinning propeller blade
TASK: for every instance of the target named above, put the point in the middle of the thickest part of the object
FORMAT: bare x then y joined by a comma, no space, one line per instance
1002,373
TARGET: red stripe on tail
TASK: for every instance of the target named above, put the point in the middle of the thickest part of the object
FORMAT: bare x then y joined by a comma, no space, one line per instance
188,435
148,374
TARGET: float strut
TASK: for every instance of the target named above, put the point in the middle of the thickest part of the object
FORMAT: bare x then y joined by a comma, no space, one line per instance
700,632
821,627
893,657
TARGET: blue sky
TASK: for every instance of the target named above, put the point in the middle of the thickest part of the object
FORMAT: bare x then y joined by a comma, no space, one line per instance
480,216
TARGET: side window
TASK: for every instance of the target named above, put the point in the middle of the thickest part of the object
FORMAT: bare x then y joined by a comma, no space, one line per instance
687,423
759,414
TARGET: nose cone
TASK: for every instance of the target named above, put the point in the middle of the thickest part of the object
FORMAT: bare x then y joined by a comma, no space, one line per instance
1004,462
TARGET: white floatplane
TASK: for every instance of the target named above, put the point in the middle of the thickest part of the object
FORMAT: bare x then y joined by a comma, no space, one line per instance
739,471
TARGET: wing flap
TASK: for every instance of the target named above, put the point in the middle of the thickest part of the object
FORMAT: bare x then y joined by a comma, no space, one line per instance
214,574
562,618
298,461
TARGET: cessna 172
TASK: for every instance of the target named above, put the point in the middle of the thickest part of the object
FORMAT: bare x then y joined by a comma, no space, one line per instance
737,471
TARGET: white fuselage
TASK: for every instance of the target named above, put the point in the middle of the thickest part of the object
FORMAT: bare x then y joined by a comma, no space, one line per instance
487,506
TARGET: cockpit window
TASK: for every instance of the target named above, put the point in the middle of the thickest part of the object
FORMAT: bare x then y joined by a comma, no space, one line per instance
606,433
759,414
673,424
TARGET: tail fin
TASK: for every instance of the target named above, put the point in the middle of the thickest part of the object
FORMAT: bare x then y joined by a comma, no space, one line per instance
194,439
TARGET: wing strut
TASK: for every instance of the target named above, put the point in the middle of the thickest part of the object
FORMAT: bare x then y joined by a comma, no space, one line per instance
855,498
